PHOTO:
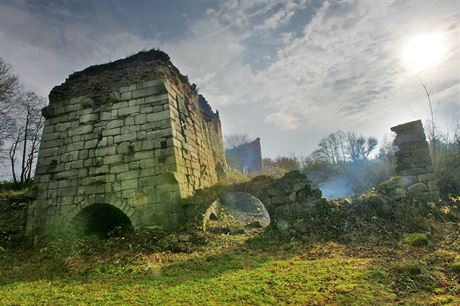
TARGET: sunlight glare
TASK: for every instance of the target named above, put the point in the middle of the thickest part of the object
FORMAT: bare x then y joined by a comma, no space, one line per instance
424,51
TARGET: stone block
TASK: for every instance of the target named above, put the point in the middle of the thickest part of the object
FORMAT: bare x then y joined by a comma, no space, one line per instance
140,119
104,151
425,177
75,146
112,159
114,124
126,95
145,92
152,83
81,130
411,172
95,189
124,147
129,184
125,137
88,118
91,180
102,169
127,175
119,168
158,116
143,155
132,129
128,121
71,156
135,165
128,110
105,116
417,188
406,181
147,145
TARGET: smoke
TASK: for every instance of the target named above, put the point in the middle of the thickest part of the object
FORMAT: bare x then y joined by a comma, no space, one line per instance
336,187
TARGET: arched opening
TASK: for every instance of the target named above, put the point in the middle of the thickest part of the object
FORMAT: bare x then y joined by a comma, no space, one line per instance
102,220
236,213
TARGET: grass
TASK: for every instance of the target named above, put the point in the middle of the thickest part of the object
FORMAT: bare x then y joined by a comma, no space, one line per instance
239,270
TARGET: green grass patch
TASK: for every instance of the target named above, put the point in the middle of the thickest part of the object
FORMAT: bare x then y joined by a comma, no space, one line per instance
235,270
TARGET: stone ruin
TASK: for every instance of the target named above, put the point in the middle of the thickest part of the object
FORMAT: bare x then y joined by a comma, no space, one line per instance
122,143
414,169
291,200
130,144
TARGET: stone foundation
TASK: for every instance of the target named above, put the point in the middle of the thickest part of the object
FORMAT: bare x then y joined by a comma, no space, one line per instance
414,167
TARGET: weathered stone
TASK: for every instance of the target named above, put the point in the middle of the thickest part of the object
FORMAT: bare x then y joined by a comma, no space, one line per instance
425,177
406,181
417,188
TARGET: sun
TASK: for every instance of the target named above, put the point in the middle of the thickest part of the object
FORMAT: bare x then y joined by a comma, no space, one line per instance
424,51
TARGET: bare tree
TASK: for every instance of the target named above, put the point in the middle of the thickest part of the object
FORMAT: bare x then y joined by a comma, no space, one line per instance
432,136
332,148
24,147
359,148
341,147
234,140
9,90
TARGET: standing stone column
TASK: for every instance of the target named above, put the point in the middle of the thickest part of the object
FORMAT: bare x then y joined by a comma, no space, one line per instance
413,162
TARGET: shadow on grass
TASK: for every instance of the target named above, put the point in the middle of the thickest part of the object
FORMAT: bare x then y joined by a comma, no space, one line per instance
28,265
262,269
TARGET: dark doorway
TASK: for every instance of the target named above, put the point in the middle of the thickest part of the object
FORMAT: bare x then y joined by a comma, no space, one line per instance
102,220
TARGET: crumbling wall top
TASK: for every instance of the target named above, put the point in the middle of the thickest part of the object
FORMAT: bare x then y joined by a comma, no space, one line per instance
99,81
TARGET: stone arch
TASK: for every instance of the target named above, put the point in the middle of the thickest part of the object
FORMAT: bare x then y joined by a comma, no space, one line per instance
103,220
290,200
244,206
116,205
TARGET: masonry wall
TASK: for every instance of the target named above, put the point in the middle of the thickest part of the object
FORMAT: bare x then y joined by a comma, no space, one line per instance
129,134
197,141
413,162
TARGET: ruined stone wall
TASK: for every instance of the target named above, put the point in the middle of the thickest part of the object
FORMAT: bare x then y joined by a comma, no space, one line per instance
414,167
129,134
197,140
291,201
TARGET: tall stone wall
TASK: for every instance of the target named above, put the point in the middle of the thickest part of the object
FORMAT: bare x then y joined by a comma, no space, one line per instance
130,134
414,167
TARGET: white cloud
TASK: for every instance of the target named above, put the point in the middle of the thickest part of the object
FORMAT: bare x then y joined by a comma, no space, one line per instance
283,120
342,70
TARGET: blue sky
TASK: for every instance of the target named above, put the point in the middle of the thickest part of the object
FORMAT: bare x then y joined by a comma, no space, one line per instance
289,72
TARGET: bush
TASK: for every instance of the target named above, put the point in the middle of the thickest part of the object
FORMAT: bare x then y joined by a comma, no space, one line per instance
415,240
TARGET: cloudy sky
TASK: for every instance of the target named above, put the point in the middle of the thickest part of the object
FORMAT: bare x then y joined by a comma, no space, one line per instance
289,72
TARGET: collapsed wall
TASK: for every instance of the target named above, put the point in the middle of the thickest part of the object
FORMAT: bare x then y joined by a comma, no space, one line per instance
132,135
414,167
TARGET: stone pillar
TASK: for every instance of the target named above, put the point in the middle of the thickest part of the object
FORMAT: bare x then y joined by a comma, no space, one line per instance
413,162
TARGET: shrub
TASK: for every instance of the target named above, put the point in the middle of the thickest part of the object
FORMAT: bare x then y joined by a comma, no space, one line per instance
416,240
